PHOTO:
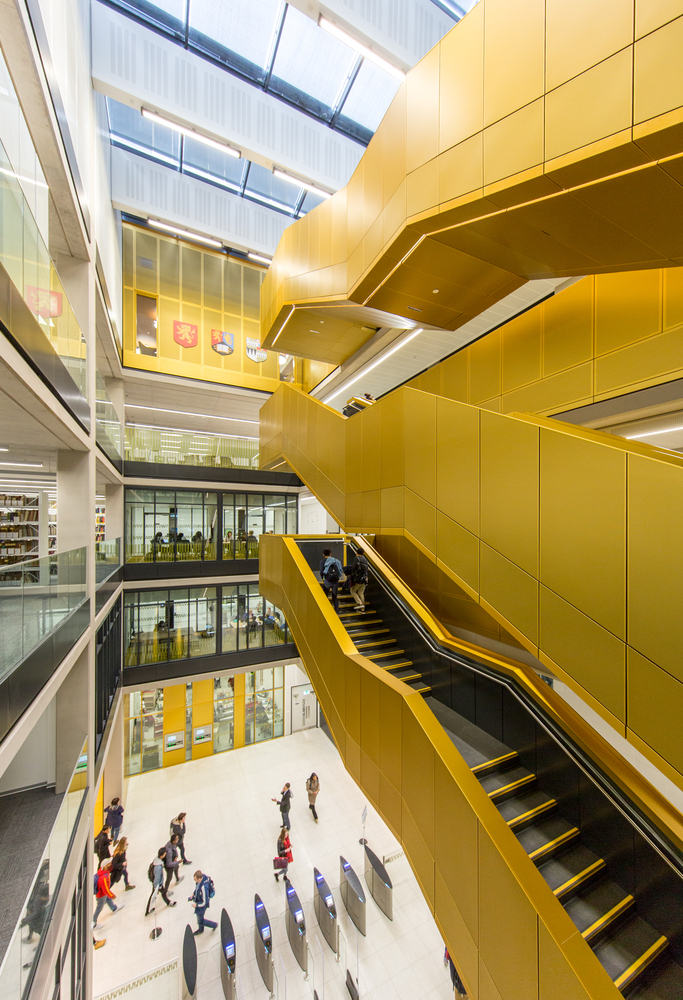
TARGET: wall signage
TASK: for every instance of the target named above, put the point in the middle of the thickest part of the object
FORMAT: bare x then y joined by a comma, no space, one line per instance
185,334
254,350
222,342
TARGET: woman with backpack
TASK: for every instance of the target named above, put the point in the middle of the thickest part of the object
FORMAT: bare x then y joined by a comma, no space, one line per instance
359,580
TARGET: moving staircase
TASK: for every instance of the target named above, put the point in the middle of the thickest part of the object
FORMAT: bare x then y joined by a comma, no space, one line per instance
374,640
633,953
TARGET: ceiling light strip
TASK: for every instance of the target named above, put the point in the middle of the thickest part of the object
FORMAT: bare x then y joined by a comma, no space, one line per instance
366,371
191,133
185,413
646,434
259,257
343,36
194,433
299,182
183,233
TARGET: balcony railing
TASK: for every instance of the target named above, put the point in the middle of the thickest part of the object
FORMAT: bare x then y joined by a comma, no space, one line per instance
60,354
108,429
107,559
168,447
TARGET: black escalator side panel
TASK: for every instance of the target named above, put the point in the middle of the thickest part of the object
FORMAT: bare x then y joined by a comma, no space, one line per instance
521,732
489,707
559,776
607,832
658,894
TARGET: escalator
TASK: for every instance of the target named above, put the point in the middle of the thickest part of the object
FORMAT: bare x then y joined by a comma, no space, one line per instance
613,870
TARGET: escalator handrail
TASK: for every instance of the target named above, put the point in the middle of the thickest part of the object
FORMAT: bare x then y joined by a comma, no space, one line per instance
635,797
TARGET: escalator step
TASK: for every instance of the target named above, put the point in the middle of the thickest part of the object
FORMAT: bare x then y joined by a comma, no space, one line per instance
419,686
487,765
390,667
547,837
525,808
407,675
663,983
361,624
379,631
382,656
597,908
369,643
357,614
571,869
506,782
626,954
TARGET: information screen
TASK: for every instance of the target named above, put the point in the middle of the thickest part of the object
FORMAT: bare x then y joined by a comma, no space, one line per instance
229,950
265,932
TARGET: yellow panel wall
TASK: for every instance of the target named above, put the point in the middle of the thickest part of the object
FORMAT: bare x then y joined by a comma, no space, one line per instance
202,715
174,721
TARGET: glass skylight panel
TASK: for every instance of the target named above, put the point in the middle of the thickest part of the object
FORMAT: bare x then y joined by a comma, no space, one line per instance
310,60
200,160
243,27
310,201
169,14
372,92
270,190
130,130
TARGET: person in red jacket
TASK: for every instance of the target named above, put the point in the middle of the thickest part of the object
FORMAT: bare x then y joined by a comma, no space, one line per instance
104,893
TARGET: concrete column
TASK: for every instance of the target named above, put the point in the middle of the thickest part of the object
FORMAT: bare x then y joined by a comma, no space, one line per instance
113,767
72,720
75,500
116,394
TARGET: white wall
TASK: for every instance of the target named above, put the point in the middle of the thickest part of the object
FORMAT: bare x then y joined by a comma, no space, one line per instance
314,519
34,764
294,674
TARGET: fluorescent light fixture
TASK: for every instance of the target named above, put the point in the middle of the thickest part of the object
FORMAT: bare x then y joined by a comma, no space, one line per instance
4,449
23,465
195,433
184,413
647,434
191,133
136,147
212,178
183,233
308,185
291,313
364,50
366,371
259,257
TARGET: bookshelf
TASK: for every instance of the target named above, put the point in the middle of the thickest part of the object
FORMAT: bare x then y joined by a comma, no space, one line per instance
19,523
99,524
52,528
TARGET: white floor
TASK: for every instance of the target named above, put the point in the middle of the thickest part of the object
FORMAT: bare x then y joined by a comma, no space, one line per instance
232,832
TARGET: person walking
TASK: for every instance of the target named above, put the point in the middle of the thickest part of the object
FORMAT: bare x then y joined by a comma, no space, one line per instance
102,844
313,787
284,850
119,865
359,580
285,803
200,899
179,827
331,572
104,893
113,816
156,877
171,861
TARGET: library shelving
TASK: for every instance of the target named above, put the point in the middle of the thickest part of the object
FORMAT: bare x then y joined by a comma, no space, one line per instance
19,525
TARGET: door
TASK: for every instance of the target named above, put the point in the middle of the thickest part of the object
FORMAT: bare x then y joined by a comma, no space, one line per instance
304,708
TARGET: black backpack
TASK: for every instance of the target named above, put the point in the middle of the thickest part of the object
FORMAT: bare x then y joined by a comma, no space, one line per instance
359,573
150,872
332,575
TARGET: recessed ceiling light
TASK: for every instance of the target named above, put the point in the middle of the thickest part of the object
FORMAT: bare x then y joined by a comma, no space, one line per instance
4,449
435,291
366,371
364,50
23,465
191,133
415,309
259,257
308,185
187,413
183,233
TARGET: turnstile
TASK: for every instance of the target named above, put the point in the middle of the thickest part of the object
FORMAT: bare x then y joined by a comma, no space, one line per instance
228,957
379,883
263,942
352,894
296,927
325,911
189,972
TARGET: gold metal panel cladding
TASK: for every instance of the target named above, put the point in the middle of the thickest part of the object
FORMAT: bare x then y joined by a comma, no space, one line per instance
461,75
556,977
652,14
582,35
513,38
673,296
417,775
420,520
454,376
627,308
568,327
420,444
577,644
513,593
457,462
458,549
583,526
453,816
485,367
423,111
655,708
391,409
370,427
522,350
574,118
507,926
658,71
655,561
487,987
514,143
572,387
509,489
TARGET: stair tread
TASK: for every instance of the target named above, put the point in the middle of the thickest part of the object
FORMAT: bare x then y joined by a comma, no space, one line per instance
592,904
541,836
667,984
496,782
520,805
620,950
476,746
557,871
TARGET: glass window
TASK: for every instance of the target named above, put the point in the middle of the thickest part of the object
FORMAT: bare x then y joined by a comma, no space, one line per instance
178,625
146,325
223,714
240,525
230,619
130,630
249,708
132,131
275,508
211,164
132,736
274,630
149,644
189,539
202,621
245,28
278,711
139,525
254,525
152,740
292,519
271,190
228,526
372,92
254,617
210,529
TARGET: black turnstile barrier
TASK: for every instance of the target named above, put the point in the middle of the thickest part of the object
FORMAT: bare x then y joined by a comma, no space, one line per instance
189,965
263,942
325,911
228,957
379,883
296,928
352,894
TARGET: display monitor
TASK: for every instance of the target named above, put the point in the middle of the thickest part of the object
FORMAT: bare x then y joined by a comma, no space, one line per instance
265,932
229,951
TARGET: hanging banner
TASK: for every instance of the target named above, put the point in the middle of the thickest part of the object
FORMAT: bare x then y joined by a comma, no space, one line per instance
185,334
222,342
254,350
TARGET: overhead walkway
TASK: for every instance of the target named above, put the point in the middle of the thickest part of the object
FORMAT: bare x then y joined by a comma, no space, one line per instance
552,867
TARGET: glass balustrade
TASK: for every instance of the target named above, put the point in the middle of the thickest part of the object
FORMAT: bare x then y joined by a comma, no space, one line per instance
107,559
108,429
26,258
169,447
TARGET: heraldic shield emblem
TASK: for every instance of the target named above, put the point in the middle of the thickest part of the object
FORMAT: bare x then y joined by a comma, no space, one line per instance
185,334
254,350
222,342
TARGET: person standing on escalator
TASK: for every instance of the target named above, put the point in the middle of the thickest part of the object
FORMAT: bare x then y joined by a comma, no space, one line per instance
359,580
331,572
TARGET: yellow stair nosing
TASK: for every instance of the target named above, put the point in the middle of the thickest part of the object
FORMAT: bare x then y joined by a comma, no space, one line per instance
567,835
536,811
607,918
388,652
492,763
579,878
496,792
398,666
379,631
377,642
641,963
